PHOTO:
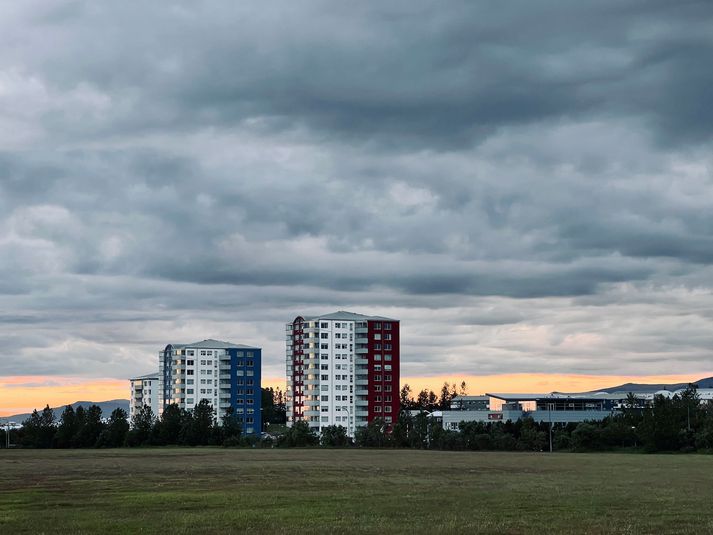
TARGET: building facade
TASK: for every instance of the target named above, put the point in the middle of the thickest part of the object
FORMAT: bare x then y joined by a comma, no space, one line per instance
144,391
225,374
342,369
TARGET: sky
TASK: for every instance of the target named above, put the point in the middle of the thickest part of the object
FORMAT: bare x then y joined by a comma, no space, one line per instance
527,186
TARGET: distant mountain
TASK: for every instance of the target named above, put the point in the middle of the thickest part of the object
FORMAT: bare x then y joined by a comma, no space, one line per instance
641,387
107,408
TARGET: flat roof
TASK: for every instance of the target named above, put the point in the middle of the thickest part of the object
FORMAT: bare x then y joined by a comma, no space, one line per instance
555,396
213,344
344,315
147,376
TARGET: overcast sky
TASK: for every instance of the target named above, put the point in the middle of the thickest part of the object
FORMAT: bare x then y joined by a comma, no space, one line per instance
528,186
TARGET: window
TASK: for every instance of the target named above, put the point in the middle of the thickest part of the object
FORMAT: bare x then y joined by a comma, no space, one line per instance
189,372
203,353
324,388
377,409
189,381
387,388
209,362
387,367
324,346
337,325
202,390
325,418
387,357
387,326
324,336
250,373
387,347
249,420
337,335
251,392
387,399
189,401
387,408
324,377
377,347
189,362
377,378
377,367
377,388
325,408
377,399
377,336
324,325
388,420
189,391
190,353
387,336
324,356
240,354
210,381
251,401
387,378
249,354
377,325
241,362
377,357
250,382
324,367
324,398
251,362
203,362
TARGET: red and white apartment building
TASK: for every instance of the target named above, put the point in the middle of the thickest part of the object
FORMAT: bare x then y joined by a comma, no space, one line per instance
342,369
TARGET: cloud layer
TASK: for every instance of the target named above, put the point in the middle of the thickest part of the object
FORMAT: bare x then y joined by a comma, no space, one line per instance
528,187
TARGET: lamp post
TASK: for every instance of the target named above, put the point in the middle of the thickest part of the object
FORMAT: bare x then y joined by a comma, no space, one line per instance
549,410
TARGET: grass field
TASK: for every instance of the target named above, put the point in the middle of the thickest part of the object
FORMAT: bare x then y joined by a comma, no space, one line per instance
215,490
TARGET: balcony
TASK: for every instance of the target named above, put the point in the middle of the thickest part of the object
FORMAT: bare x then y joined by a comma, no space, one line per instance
361,392
361,350
361,330
361,361
362,340
225,367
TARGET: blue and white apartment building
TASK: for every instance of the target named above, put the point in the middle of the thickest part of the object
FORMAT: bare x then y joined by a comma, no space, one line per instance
225,374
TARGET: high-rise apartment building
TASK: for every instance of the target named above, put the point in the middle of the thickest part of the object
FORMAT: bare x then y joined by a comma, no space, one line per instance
144,391
342,369
225,374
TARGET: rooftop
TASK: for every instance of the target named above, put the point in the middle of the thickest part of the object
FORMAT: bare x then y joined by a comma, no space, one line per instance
147,376
350,316
214,344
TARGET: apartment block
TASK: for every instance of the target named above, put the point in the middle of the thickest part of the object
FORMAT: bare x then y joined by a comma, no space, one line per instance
225,374
144,391
342,369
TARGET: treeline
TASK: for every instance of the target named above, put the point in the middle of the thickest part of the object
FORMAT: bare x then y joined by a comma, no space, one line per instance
85,428
428,400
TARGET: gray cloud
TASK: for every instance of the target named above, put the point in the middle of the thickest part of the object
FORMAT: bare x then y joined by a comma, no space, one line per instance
528,187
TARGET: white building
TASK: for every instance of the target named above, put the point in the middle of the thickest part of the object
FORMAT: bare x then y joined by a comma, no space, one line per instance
223,373
144,391
342,369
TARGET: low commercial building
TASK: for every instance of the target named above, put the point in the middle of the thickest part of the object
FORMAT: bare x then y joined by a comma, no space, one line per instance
554,408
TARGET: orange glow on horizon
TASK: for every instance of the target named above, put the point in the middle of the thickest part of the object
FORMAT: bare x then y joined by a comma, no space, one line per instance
20,394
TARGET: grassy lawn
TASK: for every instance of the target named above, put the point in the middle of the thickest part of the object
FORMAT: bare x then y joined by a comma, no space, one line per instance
216,490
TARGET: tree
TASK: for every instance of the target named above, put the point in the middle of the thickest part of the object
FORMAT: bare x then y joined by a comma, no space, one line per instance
167,430
405,398
463,389
142,425
231,428
373,435
298,436
114,434
88,434
67,428
334,436
39,429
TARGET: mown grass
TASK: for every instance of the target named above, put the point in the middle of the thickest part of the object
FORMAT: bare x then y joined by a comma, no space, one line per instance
212,490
